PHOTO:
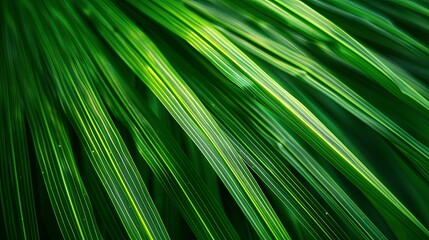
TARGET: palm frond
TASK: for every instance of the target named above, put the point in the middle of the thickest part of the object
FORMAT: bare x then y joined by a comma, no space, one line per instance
214,119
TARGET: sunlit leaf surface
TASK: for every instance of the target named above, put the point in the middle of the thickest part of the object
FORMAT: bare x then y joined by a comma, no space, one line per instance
200,119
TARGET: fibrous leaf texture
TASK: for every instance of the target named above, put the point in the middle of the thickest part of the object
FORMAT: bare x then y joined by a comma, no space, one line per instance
200,119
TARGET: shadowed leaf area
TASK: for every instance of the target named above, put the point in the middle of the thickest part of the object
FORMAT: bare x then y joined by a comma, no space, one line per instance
201,119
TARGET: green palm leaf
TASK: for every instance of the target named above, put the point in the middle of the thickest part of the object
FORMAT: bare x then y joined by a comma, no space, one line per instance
214,119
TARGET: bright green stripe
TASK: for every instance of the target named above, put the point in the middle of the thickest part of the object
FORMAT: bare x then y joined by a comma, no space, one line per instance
282,102
105,148
338,91
270,169
377,22
238,128
396,79
168,163
187,110
68,196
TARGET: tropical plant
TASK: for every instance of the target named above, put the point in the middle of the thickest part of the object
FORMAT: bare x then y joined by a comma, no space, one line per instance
268,119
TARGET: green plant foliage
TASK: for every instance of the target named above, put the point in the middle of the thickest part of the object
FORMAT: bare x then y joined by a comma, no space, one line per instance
269,119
